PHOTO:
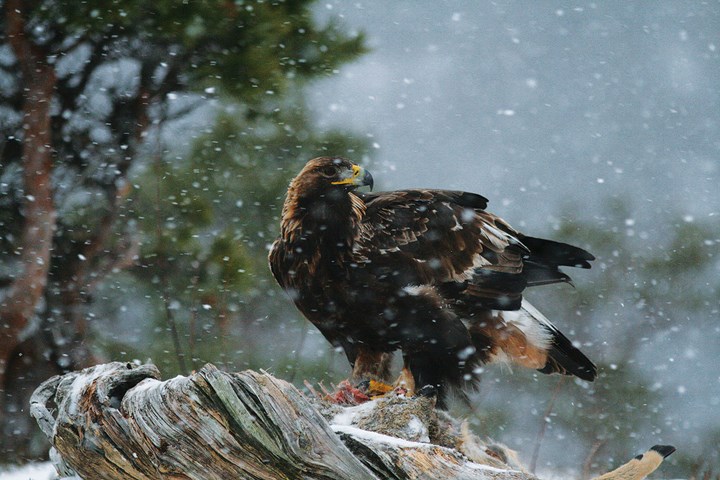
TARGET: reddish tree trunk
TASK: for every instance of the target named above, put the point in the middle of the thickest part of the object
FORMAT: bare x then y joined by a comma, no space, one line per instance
39,211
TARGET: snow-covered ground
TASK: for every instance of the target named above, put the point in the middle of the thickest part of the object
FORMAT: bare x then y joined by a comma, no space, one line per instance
32,471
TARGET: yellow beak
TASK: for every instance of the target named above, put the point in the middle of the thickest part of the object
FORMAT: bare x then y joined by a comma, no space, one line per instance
358,177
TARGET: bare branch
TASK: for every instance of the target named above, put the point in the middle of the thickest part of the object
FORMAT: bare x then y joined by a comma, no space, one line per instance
544,422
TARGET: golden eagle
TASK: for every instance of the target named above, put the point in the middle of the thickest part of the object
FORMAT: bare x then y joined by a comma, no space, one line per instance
427,272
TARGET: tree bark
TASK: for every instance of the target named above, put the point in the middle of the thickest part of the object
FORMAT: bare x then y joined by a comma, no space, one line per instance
27,288
120,421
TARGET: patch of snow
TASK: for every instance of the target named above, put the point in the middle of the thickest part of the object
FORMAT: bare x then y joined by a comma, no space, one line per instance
350,415
398,442
31,471
488,468
378,437
417,429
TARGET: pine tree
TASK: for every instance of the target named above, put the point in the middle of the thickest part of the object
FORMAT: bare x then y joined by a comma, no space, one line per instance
87,92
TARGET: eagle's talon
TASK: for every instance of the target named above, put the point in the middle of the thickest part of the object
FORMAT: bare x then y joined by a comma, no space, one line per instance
378,389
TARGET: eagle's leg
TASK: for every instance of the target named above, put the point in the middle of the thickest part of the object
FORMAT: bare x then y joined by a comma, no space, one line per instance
371,365
369,378
371,372
405,383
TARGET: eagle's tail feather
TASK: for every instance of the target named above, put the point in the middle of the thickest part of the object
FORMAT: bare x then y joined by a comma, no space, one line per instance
564,358
526,337
542,265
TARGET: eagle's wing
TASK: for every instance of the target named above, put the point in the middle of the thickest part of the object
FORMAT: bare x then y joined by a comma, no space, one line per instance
478,263
447,239
443,238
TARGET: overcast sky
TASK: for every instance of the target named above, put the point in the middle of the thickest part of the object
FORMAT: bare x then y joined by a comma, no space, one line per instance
535,103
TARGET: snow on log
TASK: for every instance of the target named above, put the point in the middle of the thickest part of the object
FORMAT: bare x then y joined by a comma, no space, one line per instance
120,420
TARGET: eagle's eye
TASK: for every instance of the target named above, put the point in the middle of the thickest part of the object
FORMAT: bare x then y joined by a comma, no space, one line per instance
329,171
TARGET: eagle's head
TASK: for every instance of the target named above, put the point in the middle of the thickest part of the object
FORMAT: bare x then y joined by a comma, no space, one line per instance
322,194
325,175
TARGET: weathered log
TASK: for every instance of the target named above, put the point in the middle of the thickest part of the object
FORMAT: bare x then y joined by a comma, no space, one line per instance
120,421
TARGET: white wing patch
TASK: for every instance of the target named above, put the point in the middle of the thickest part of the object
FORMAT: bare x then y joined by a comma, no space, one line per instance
536,327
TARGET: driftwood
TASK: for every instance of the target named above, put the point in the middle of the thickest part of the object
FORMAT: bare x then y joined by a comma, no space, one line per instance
120,421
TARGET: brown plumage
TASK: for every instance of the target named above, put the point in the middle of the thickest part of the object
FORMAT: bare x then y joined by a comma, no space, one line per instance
428,272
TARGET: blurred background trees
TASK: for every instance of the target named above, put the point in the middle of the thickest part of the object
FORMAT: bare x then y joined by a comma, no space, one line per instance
142,143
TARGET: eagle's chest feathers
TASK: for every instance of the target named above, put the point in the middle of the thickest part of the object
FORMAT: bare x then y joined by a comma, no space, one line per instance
319,238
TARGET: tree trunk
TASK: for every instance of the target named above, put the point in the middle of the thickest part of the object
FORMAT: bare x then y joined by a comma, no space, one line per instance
27,288
120,421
